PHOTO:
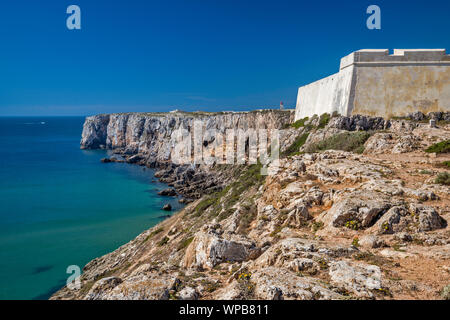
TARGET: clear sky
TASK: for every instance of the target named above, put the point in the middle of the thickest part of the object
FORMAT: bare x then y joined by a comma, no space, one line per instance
143,55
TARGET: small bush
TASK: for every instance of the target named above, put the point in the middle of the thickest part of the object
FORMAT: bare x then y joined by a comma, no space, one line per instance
153,234
185,243
440,147
445,293
163,241
446,164
443,178
295,147
299,123
345,141
316,226
323,121
353,224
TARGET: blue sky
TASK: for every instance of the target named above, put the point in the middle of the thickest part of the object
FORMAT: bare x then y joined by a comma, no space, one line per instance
143,55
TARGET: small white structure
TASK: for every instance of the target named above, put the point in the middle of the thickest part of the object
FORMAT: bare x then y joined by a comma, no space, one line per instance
373,82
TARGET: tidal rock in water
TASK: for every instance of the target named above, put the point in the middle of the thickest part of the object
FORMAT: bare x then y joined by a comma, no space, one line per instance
170,192
167,207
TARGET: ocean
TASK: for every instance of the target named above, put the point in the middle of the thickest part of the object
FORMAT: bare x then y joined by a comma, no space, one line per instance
61,206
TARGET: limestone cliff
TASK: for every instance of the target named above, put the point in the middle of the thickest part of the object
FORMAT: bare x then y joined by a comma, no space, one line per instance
152,133
359,209
150,139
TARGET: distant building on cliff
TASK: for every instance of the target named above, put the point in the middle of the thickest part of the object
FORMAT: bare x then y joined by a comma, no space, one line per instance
373,82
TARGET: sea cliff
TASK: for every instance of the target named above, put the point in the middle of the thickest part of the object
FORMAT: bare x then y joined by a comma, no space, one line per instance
358,209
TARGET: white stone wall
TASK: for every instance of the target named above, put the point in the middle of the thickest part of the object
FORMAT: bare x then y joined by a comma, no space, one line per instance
327,95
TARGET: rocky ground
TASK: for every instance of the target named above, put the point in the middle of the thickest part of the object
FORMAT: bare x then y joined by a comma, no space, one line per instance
368,221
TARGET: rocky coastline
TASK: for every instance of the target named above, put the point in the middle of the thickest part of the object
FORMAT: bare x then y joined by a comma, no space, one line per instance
358,209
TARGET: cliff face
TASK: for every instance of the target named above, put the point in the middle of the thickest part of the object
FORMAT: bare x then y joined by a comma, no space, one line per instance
153,134
361,212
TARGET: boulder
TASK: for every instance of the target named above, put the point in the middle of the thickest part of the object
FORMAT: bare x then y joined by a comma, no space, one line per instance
359,208
209,249
359,279
188,293
416,217
170,192
371,241
278,283
101,286
167,207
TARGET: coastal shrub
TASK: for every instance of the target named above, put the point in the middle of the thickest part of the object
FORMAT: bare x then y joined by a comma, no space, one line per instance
446,164
249,213
220,203
299,123
205,203
445,293
153,234
296,145
316,226
163,241
353,224
370,258
345,141
440,147
185,243
443,178
323,120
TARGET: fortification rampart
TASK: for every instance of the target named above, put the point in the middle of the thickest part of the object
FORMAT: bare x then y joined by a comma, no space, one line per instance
375,83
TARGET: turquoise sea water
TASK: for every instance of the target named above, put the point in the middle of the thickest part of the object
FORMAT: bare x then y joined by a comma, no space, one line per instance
61,206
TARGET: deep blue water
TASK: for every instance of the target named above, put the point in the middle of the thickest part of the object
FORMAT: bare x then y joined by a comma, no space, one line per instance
61,206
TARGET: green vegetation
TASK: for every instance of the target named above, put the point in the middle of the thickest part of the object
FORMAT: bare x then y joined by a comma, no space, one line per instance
445,293
185,243
163,241
323,121
346,141
355,242
446,164
295,147
443,178
440,147
316,226
425,172
249,213
353,224
371,258
299,123
153,234
246,286
221,204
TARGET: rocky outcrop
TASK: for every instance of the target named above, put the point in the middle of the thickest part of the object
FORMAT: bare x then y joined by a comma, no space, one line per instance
329,224
360,280
152,139
95,132
209,249
153,134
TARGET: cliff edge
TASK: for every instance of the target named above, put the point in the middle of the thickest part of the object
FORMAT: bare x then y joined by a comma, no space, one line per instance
358,209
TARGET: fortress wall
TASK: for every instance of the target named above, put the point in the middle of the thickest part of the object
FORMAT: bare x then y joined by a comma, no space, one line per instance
326,95
375,83
399,90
